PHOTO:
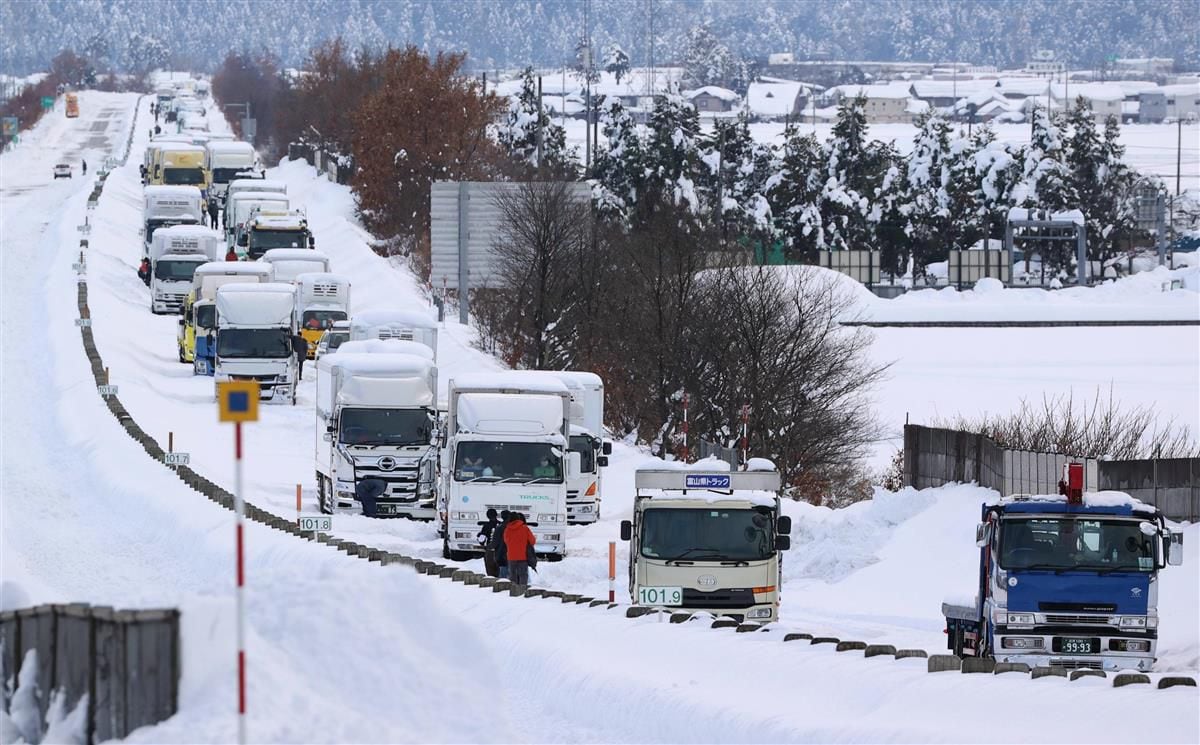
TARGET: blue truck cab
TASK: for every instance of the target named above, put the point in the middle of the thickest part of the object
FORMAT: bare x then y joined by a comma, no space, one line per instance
1066,581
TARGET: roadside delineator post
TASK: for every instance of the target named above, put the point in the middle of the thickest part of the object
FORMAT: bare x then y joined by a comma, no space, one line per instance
612,571
237,402
297,504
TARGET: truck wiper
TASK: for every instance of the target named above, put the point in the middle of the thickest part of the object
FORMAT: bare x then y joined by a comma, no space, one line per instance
1110,570
690,550
1056,568
487,479
541,479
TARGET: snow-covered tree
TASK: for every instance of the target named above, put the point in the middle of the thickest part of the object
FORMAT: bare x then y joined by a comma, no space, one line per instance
528,125
616,62
1099,179
735,179
618,172
673,152
585,64
794,190
706,61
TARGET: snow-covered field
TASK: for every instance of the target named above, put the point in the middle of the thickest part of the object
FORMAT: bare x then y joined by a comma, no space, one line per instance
344,651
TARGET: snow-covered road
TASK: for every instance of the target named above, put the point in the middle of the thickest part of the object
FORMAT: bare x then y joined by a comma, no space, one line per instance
345,651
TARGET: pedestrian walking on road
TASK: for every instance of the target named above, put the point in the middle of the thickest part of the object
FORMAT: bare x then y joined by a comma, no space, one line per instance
496,543
212,213
518,543
85,168
300,349
485,539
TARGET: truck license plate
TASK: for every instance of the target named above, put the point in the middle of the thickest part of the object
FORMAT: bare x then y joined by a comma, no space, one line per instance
660,596
1076,645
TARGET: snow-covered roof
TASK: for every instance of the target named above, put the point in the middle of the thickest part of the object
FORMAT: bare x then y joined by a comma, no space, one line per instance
950,88
1024,86
293,254
712,90
258,184
255,304
356,362
278,220
1097,499
187,231
230,146
509,379
386,346
157,191
498,414
893,91
1091,91
234,267
1182,89
387,317
773,99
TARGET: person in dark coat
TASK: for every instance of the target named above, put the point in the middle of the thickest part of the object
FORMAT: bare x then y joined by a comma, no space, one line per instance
496,544
212,212
300,349
518,542
84,163
485,539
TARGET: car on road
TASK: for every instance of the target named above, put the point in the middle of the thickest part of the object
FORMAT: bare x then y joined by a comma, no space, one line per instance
62,170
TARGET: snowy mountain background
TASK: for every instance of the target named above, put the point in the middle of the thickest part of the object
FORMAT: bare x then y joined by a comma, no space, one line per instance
515,33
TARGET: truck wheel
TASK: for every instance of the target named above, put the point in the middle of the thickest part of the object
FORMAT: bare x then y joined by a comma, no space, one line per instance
446,548
957,641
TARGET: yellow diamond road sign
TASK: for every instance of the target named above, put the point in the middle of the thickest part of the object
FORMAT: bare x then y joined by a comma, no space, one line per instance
237,400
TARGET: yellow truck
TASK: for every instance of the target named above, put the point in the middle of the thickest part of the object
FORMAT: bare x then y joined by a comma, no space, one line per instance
199,308
177,164
72,105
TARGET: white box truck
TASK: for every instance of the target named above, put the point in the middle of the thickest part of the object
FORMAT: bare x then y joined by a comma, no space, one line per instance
289,263
169,205
223,161
255,325
506,448
703,538
240,206
376,433
175,253
395,324
200,310
262,232
585,488
322,299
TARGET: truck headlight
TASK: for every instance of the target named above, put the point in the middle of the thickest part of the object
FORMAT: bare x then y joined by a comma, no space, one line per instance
759,613
1020,619
586,508
547,518
1131,645
1021,642
554,536
464,516
1134,622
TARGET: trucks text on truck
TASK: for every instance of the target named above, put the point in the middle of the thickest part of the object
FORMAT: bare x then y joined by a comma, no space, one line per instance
376,429
322,299
200,311
703,538
585,489
255,326
1067,581
262,232
506,448
175,253
169,205
223,161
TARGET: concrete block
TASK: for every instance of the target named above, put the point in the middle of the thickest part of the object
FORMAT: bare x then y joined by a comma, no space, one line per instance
485,581
825,640
680,617
879,650
1077,674
978,665
597,603
637,611
941,663
447,572
1126,679
1047,672
724,623
748,628
568,598
796,637
472,578
535,592
557,594
460,575
850,646
501,585
1011,667
583,600
517,591
1170,681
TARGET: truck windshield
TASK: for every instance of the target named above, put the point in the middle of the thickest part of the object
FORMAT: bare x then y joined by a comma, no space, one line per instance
317,320
385,426
206,316
582,444
335,339
175,271
254,343
707,534
263,240
1074,543
183,176
224,175
508,461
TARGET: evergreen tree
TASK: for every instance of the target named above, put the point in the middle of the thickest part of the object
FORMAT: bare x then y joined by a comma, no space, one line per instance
995,172
616,62
793,192
527,123
673,153
735,179
618,172
854,169
706,61
1100,180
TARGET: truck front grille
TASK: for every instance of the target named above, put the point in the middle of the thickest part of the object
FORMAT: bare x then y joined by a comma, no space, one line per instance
1077,664
401,481
718,599
1076,620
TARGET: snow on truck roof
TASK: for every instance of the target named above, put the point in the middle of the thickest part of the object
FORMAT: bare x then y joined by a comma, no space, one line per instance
158,190
294,254
389,365
708,480
257,304
278,220
1115,501
388,317
511,379
386,346
235,267
536,415
258,184
188,231
230,146
573,378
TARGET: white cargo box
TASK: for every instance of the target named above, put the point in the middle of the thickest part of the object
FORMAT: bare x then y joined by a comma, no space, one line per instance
530,415
266,305
290,263
395,324
378,380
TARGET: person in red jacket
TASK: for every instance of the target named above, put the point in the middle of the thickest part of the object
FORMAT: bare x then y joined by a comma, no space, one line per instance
518,544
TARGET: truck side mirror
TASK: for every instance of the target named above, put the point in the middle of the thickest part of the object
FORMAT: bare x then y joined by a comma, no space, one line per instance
783,542
243,240
626,530
574,464
983,534
783,526
1175,548
606,448
602,461
327,436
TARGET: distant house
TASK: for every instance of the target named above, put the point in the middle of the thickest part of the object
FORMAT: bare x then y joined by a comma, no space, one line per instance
712,98
777,100
943,94
886,103
1183,100
1152,107
1104,99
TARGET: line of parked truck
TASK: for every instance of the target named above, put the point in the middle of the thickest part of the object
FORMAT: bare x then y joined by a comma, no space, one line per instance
1067,581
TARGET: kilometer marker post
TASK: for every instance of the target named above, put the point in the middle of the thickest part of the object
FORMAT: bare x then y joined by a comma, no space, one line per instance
237,402
612,571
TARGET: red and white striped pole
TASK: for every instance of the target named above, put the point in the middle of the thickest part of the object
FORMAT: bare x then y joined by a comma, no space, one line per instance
240,509
612,571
